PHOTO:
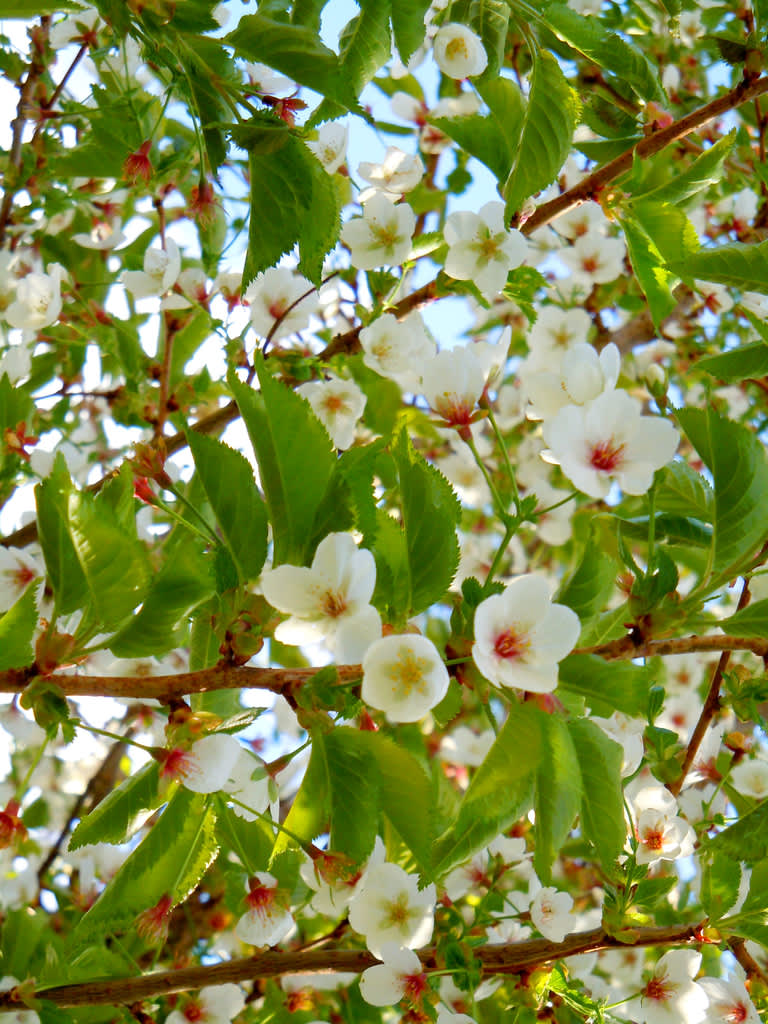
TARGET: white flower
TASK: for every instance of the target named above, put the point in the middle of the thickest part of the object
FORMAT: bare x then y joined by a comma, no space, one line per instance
248,782
161,269
449,1017
661,834
751,778
338,404
21,1015
594,259
459,52
206,766
279,294
610,440
553,527
403,676
382,236
328,601
397,348
671,996
467,876
390,907
400,975
628,733
583,376
729,1001
555,331
464,746
75,27
467,478
452,383
551,913
399,172
104,235
520,636
330,147
267,921
17,570
334,890
38,300
217,1004
481,249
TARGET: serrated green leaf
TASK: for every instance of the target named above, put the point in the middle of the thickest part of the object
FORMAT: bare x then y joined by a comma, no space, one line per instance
705,170
61,562
673,235
295,457
602,801
320,230
364,47
550,121
747,839
587,590
737,460
720,881
492,139
353,784
207,66
606,686
28,9
308,816
500,792
652,275
252,841
15,405
408,26
170,860
558,794
240,512
113,819
17,630
738,363
592,39
392,594
681,490
739,264
751,621
23,932
431,512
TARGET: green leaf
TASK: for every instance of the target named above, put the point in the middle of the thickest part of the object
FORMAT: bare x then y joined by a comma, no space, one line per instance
739,264
207,67
114,563
15,405
353,784
230,487
673,235
550,121
252,841
751,621
183,582
308,816
705,170
393,586
113,819
587,590
64,570
493,139
431,512
28,9
295,456
737,363
602,801
24,930
364,47
295,51
720,881
737,460
408,26
652,275
17,630
500,792
606,686
558,792
489,19
170,861
320,229
681,490
747,839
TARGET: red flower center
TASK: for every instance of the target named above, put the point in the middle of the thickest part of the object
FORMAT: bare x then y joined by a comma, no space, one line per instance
658,989
510,645
606,455
193,1012
653,839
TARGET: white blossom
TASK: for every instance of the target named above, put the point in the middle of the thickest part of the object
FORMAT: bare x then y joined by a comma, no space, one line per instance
729,1002
338,404
206,766
280,294
161,270
551,913
594,259
267,920
217,1004
403,676
520,635
38,300
671,996
583,375
751,778
330,147
555,331
398,173
661,833
382,236
390,908
481,249
452,383
330,600
400,975
459,52
397,348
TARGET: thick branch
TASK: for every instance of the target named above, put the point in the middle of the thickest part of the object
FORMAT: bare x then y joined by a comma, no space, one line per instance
591,186
625,647
503,959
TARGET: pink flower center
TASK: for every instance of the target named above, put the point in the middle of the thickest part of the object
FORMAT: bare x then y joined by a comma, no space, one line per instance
456,411
658,989
736,1014
177,764
606,455
510,645
193,1012
653,839
415,986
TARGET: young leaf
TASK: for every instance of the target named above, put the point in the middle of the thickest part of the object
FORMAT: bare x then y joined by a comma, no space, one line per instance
353,782
364,47
241,514
747,839
550,121
559,792
705,170
602,803
64,570
112,820
587,590
652,275
737,363
606,686
408,26
295,457
751,621
308,816
17,630
737,460
740,265
681,490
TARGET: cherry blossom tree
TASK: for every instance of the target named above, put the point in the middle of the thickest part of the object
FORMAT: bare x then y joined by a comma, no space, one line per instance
383,616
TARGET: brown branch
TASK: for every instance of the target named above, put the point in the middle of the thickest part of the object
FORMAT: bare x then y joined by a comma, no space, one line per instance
500,959
594,183
625,647
172,687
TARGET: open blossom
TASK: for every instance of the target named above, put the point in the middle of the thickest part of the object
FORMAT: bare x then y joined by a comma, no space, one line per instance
338,404
459,52
267,920
481,249
217,1004
452,383
390,908
751,778
38,300
397,348
610,440
671,996
661,833
403,676
161,269
583,375
330,147
382,236
729,1001
401,975
280,294
330,600
206,766
520,635
594,259
555,331
399,172
551,913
